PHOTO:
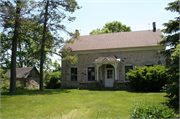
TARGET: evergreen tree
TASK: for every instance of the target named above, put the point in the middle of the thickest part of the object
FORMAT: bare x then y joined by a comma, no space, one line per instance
171,38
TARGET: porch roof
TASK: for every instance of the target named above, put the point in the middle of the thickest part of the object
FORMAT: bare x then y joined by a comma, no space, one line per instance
109,58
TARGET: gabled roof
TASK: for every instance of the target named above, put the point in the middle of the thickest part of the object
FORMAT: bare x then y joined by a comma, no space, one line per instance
109,58
116,40
21,72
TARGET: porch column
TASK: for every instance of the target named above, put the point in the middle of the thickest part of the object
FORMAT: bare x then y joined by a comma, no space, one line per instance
101,72
97,66
115,67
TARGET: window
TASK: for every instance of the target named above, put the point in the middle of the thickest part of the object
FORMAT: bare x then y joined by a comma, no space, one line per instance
109,73
91,74
127,68
24,82
73,74
109,66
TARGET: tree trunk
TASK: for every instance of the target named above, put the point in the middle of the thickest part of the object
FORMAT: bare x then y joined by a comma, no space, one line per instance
14,50
42,47
20,57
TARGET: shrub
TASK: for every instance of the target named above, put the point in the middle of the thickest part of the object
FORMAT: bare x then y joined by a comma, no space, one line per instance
19,86
143,110
53,80
172,90
148,78
5,84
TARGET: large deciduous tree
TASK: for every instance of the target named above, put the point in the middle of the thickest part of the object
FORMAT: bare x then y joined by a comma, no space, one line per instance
11,14
14,48
52,14
171,38
111,27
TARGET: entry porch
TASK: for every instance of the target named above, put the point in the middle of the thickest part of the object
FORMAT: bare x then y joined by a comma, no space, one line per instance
105,76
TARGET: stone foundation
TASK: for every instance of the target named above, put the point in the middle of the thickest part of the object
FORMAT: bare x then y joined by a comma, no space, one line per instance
89,85
96,85
123,86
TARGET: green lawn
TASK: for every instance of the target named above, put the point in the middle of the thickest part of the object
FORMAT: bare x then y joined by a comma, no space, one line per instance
73,103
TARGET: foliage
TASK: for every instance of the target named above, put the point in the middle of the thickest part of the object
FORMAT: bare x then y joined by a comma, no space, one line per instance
148,79
111,27
3,76
171,38
145,110
52,80
19,86
4,80
172,86
72,59
52,13
12,14
56,66
28,50
29,30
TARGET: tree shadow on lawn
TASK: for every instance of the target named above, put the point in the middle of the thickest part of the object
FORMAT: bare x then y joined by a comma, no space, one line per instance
134,91
36,92
131,91
100,89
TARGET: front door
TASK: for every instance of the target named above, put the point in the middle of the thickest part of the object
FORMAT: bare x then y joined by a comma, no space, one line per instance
109,77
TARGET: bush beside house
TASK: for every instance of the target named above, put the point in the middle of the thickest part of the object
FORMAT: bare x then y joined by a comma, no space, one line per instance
148,78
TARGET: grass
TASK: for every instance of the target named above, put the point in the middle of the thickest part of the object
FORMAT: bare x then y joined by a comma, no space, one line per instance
73,103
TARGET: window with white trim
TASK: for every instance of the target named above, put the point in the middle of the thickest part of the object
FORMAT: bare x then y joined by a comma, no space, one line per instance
127,68
73,74
91,74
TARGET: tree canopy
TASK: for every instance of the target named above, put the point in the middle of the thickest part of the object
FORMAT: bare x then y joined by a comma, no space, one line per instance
111,27
171,38
28,50
52,13
33,36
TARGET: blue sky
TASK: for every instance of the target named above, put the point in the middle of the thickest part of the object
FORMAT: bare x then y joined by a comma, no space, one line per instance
137,14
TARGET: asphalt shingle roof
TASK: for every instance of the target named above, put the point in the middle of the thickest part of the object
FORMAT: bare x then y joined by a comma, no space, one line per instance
21,72
116,40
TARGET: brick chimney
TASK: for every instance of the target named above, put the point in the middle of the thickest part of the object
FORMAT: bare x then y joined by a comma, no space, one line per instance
154,26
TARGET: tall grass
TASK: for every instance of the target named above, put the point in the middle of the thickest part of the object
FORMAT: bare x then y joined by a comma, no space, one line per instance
143,109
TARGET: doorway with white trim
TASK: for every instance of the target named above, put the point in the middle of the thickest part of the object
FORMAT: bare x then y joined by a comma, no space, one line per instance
109,76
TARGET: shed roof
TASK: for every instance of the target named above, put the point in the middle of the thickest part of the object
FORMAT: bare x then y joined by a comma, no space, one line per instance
116,40
21,72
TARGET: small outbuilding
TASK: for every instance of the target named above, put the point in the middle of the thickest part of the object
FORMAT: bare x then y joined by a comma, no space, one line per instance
28,76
